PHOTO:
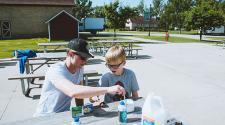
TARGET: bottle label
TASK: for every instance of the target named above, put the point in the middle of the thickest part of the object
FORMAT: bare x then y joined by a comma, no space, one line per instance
76,111
148,121
123,116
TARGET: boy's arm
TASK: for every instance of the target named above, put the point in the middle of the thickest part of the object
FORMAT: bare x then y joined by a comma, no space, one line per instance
135,94
134,86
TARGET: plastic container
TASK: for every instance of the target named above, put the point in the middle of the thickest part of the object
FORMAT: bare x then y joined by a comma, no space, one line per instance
122,112
153,112
129,105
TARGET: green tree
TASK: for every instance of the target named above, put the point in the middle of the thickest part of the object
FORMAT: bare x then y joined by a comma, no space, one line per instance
140,7
98,11
125,13
165,17
111,14
205,15
175,10
116,16
157,8
82,8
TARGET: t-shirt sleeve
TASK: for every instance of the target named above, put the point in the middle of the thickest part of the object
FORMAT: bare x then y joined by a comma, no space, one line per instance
103,81
134,83
55,74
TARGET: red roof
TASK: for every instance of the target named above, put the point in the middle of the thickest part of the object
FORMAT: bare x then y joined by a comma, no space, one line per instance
138,19
38,2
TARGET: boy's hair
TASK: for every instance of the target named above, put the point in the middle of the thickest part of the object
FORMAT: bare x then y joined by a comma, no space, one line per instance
115,53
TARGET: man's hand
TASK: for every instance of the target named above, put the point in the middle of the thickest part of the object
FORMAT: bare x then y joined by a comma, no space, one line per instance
116,90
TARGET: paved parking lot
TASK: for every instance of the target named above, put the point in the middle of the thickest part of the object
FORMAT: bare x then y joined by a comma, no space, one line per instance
189,77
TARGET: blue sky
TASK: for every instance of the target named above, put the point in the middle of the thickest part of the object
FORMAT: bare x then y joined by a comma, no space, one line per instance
131,3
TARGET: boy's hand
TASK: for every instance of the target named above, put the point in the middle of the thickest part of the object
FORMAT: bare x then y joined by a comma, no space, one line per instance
116,90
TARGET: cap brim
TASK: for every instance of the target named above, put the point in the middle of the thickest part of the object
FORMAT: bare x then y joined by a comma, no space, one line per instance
86,55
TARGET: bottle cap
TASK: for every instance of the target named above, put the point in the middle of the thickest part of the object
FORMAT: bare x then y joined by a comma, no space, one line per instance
76,119
122,103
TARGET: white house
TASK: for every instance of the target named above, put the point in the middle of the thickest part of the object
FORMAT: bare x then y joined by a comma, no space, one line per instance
137,22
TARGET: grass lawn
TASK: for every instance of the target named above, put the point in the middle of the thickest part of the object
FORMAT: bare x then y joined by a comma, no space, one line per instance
8,46
192,32
171,39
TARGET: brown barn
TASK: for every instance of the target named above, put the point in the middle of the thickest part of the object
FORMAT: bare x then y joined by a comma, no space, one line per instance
26,18
63,26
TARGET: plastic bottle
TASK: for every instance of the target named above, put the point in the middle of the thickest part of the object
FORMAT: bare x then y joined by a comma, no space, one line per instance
153,112
122,112
76,121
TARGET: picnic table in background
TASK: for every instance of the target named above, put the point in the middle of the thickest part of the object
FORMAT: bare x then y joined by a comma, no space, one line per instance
100,116
124,43
54,46
221,42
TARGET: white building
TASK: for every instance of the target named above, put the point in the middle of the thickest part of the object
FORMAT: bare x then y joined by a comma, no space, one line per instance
138,22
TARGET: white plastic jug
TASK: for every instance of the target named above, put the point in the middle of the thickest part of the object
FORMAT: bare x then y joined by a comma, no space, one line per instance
153,112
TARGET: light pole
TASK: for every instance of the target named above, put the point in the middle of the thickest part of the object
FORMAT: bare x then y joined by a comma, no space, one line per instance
149,23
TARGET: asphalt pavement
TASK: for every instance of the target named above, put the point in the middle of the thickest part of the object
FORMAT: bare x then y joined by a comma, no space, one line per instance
189,77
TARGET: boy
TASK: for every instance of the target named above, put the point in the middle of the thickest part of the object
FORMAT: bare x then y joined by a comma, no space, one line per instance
115,60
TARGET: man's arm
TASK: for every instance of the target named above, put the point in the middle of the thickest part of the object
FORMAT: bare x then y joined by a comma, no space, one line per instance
79,91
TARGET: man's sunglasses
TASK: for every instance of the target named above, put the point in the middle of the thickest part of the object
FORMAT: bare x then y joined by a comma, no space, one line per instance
81,57
113,66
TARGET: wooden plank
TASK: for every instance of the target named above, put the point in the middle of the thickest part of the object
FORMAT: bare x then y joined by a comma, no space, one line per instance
26,76
53,44
8,63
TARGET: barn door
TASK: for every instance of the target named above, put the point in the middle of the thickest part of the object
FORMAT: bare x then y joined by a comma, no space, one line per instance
6,29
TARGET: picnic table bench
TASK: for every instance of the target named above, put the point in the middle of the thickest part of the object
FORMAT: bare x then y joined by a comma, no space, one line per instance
30,80
221,42
56,46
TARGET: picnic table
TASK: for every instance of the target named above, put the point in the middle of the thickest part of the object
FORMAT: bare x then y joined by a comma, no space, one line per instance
100,116
221,42
29,78
55,46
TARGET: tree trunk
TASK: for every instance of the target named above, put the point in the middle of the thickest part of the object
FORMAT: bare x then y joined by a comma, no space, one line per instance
114,32
200,34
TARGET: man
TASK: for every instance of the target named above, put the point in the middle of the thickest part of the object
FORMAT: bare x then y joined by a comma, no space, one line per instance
63,81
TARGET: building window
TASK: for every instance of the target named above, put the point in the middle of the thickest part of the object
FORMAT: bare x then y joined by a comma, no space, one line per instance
5,29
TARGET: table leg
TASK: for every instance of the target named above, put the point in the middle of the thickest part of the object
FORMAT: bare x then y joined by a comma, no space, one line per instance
45,49
25,91
39,66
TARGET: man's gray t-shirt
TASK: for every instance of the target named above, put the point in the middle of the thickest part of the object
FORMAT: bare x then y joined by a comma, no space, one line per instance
52,99
128,79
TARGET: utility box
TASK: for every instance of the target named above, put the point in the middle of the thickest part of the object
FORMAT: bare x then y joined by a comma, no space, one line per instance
91,25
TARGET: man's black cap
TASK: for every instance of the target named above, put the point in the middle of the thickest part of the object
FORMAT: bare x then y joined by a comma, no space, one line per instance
81,47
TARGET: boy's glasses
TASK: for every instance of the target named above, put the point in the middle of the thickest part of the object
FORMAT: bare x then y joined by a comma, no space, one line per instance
113,66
